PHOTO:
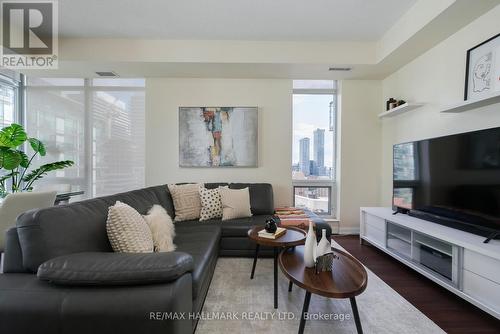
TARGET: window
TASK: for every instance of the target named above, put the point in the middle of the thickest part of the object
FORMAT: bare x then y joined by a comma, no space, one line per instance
8,101
99,125
314,145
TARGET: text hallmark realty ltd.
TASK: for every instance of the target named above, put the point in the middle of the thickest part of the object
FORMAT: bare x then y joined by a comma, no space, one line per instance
245,316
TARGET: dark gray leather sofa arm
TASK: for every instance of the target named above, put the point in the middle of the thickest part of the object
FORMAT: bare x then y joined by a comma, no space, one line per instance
99,268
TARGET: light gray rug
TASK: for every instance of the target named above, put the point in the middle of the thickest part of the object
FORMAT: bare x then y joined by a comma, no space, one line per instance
243,305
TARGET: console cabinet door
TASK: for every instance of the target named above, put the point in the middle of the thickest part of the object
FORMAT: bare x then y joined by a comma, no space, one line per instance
483,290
482,265
375,229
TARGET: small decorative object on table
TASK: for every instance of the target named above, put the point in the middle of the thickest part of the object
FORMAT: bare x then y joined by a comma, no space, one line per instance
275,235
310,247
324,246
325,262
271,225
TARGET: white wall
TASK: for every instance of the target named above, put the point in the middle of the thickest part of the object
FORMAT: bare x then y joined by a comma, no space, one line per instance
360,137
437,79
274,99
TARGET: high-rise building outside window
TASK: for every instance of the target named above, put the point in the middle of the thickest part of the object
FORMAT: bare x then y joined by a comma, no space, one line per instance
314,145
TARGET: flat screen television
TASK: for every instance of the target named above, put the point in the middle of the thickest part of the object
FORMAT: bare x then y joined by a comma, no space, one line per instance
452,180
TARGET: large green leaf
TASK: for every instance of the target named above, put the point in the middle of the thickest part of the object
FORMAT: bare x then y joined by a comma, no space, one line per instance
25,161
9,158
12,136
37,146
39,172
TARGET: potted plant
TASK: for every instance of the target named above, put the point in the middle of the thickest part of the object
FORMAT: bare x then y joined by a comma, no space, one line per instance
15,175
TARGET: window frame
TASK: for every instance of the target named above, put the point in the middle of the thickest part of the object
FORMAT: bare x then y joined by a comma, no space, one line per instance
331,184
18,96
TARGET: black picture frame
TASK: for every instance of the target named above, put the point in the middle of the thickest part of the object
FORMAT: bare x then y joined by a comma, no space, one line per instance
467,63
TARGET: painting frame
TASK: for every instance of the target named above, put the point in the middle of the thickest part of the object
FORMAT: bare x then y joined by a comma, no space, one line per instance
487,52
202,118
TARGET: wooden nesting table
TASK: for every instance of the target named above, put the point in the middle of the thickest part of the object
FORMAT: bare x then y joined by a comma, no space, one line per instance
292,237
347,280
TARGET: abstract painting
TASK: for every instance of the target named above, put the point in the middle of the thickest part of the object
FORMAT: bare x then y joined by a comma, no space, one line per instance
218,136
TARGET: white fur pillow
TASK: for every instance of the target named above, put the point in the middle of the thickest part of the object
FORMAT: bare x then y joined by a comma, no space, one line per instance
162,228
127,230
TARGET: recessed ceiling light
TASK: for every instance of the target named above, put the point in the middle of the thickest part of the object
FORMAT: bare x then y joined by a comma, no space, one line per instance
345,69
108,74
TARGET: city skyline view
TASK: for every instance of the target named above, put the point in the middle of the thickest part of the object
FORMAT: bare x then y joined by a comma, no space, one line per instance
313,149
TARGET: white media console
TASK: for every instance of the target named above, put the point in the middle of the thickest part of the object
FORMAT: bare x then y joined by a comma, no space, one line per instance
456,260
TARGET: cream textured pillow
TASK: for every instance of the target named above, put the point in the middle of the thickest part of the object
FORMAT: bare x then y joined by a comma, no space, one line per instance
235,203
186,199
211,205
127,231
162,228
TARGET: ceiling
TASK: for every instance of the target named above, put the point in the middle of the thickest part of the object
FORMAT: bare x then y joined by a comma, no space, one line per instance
272,20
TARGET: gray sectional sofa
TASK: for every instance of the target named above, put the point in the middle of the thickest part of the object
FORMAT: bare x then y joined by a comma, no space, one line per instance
61,275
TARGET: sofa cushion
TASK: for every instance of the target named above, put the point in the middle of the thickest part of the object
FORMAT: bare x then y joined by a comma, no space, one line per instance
202,243
186,199
162,229
115,268
235,203
261,197
229,228
211,204
127,230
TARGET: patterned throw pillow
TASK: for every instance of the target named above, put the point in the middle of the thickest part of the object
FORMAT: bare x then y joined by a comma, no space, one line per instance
211,205
127,231
186,198
162,229
235,203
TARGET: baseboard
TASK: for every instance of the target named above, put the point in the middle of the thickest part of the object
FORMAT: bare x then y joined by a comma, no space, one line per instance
349,230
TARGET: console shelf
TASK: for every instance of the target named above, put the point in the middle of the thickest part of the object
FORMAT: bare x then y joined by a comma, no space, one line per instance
456,260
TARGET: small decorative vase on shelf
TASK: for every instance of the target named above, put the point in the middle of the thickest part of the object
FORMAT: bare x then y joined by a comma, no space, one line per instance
310,247
324,246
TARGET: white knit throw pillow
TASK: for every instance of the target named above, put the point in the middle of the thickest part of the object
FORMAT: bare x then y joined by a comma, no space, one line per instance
127,230
211,205
162,228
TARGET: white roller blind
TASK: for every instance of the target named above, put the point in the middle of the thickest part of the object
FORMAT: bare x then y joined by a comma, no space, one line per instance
98,124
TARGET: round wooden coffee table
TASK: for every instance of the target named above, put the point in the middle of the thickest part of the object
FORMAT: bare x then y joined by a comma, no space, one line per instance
292,237
347,279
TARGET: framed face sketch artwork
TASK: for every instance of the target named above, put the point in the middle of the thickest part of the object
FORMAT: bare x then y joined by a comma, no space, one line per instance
482,78
218,136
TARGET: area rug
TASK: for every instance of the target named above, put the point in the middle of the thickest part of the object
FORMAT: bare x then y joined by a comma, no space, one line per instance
237,304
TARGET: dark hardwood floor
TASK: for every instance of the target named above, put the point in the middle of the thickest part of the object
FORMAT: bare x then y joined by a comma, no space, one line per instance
451,313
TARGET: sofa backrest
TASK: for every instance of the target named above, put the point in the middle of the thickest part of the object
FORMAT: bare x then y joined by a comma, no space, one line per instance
78,227
81,226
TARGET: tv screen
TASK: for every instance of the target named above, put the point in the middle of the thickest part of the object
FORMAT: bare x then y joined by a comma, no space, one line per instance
455,177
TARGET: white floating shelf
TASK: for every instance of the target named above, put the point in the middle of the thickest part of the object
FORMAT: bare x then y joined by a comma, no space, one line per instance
400,110
473,104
